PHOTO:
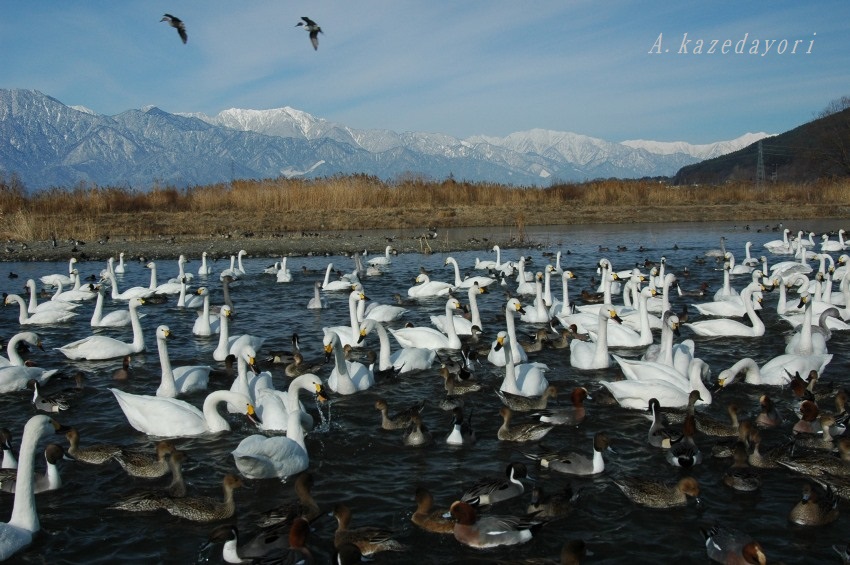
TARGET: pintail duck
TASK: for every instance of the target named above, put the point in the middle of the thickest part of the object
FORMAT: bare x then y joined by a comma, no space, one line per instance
491,531
177,24
684,452
717,428
93,454
427,518
455,387
731,546
576,463
399,420
462,432
368,539
815,508
741,476
530,431
519,403
49,404
274,545
541,339
205,508
50,480
492,490
552,506
770,458
659,435
142,464
416,434
313,29
304,506
568,415
657,494
298,366
817,463
151,500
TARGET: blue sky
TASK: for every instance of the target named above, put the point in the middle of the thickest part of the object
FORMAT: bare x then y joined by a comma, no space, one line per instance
461,68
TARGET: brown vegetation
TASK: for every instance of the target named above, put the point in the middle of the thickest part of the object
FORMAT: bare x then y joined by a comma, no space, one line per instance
359,202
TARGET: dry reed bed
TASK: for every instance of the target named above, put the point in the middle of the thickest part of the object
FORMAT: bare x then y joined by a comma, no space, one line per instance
273,207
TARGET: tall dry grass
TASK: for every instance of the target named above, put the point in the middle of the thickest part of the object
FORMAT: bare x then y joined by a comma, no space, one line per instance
360,201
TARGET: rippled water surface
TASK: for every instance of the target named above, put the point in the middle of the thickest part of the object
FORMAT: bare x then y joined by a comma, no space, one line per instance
369,469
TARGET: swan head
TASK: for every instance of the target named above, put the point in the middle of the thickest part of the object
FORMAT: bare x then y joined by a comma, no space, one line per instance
612,314
251,414
151,265
502,340
163,332
514,305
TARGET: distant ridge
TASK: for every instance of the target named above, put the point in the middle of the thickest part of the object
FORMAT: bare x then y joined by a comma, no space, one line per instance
45,143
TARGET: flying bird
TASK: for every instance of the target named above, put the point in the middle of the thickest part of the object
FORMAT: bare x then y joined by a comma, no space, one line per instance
313,28
177,24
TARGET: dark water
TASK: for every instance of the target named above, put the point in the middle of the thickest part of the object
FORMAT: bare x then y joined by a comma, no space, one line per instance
357,463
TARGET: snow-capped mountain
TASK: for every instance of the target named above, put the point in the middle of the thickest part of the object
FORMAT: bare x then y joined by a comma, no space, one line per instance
46,143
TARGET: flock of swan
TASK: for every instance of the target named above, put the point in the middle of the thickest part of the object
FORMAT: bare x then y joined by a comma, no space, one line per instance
622,338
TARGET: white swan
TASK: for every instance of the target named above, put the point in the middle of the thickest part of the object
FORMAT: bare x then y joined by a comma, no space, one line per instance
47,317
621,336
635,394
250,386
34,306
179,380
463,326
97,347
283,275
18,532
14,358
350,334
468,281
539,313
261,457
191,300
57,278
651,372
425,287
725,327
589,355
524,281
164,288
331,286
828,246
737,268
347,377
404,360
114,319
130,293
120,268
495,356
805,342
318,301
171,417
423,336
780,246
204,269
77,293
16,374
563,306
227,343
526,379
776,372
181,271
383,260
206,324
379,312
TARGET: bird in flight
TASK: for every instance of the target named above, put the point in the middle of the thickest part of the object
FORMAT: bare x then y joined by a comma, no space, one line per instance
177,24
313,28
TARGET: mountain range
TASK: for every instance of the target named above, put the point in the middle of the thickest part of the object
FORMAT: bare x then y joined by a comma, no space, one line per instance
48,144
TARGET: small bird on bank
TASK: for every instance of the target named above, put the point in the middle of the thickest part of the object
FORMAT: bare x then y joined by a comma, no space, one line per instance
313,28
177,24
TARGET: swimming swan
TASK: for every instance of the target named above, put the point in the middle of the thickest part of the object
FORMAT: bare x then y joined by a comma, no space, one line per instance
589,355
97,347
179,380
724,327
47,317
347,377
405,359
430,338
495,356
527,379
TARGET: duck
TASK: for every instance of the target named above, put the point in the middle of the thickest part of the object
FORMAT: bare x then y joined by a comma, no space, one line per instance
426,517
368,539
93,454
820,463
462,432
732,546
594,355
741,476
576,464
455,387
44,403
491,530
180,380
123,373
143,464
170,417
304,506
46,317
259,457
815,508
527,379
430,338
313,29
204,508
405,360
658,494
271,544
50,480
399,420
683,451
529,431
521,403
17,533
417,433
177,24
347,377
99,347
658,435
487,491
151,500
551,506
569,415
425,287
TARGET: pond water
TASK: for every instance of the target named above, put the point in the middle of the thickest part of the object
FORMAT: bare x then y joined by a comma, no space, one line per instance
369,469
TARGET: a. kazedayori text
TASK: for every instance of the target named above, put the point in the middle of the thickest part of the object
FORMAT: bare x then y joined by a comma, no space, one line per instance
742,45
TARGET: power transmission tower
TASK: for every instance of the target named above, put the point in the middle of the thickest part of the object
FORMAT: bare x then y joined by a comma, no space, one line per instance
760,168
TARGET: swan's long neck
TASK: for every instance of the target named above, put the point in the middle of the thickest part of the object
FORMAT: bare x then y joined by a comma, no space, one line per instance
33,304
384,352
353,299
643,311
498,251
509,384
153,284
23,315
665,296
316,294
601,353
203,264
752,373
339,362
12,350
181,300
239,260
294,430
758,325
510,324
206,312
547,288
666,344
224,332
457,272
215,422
328,274
695,379
138,337
805,346
781,303
24,513
473,306
451,332
565,309
166,386
115,293
98,310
